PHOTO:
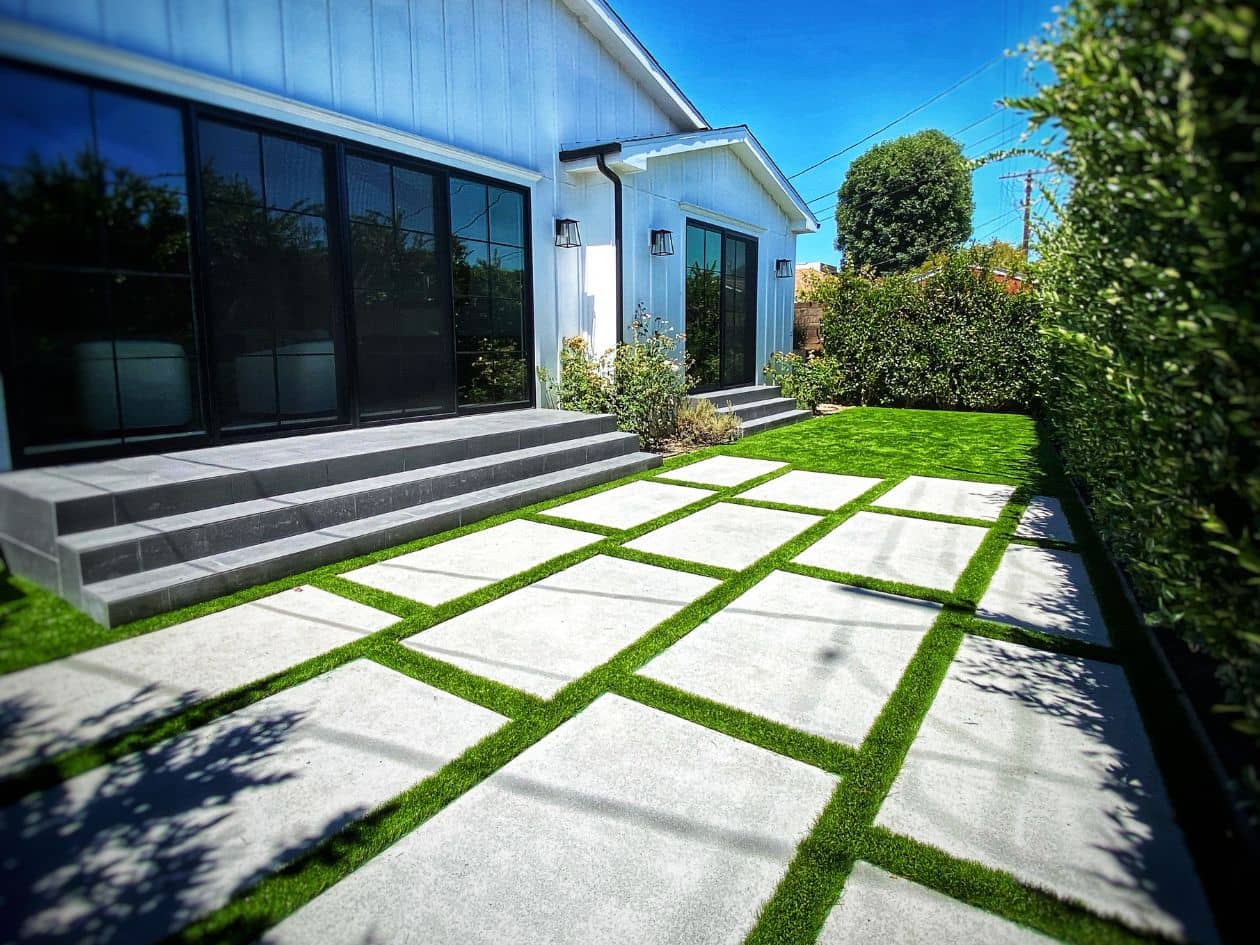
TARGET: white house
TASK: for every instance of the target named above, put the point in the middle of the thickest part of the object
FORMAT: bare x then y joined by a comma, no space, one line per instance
236,219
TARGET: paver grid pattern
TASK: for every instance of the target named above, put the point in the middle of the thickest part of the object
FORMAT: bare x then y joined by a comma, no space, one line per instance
552,723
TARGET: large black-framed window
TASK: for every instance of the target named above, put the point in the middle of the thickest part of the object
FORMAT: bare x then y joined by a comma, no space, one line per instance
721,306
97,279
271,307
177,274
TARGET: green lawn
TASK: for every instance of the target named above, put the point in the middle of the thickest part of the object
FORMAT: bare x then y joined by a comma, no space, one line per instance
891,444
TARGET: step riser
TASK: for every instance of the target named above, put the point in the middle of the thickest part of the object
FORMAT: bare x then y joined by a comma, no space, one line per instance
722,398
774,421
137,505
161,550
747,412
116,612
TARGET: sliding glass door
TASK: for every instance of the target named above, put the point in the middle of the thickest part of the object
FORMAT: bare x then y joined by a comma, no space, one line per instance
174,274
721,306
405,354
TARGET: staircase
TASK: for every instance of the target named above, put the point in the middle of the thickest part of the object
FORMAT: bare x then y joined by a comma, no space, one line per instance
759,407
133,537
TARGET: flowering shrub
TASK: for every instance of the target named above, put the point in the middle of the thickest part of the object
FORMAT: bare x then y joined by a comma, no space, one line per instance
642,382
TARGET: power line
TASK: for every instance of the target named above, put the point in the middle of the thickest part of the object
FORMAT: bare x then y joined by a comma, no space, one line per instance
979,121
898,120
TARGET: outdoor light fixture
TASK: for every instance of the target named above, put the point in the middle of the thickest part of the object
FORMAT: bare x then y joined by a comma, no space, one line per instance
662,243
567,235
783,269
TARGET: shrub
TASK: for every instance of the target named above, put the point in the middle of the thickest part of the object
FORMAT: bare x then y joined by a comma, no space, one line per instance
699,424
1152,281
810,379
954,340
641,382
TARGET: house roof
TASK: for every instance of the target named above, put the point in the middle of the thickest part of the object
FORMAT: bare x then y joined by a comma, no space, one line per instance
610,29
631,155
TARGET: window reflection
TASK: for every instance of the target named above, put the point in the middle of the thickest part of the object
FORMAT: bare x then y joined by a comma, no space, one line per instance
401,328
488,269
94,212
271,298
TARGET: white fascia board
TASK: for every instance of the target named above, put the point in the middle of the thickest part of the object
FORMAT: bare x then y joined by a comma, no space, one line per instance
607,27
635,154
22,42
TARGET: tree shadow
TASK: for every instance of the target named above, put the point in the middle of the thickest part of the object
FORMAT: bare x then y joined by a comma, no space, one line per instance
137,849
1101,773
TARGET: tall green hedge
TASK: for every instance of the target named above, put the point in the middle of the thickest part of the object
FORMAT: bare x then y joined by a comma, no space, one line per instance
1151,281
954,339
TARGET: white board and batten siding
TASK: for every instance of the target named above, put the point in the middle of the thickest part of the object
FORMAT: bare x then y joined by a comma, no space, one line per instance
496,87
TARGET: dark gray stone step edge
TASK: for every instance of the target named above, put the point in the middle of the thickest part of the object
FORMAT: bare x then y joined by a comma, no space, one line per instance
172,498
760,408
89,557
739,395
136,596
775,420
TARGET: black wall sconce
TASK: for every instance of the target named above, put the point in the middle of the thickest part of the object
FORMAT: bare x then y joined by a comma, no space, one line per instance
662,243
567,235
783,269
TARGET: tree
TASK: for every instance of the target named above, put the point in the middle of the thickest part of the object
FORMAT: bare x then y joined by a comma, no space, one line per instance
997,254
903,200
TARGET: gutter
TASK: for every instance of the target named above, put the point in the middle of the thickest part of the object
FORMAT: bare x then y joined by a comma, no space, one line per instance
600,152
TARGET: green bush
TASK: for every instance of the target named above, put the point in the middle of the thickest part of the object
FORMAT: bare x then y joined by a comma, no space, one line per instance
642,382
1151,282
955,339
809,379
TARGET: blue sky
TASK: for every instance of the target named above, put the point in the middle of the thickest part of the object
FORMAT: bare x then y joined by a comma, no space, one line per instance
811,77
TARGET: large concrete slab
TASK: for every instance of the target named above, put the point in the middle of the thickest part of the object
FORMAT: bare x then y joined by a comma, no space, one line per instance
630,505
723,470
878,908
1037,764
100,693
813,655
982,500
811,490
624,825
896,548
1044,518
725,535
135,850
542,637
1046,590
462,565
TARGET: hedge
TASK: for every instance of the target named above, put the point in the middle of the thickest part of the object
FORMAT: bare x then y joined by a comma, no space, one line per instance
953,339
1150,282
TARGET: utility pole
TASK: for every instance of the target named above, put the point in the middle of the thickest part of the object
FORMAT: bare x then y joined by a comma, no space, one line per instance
1028,176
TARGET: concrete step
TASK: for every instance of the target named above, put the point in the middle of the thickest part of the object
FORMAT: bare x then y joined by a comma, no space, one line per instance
753,410
141,594
739,395
106,553
38,505
770,421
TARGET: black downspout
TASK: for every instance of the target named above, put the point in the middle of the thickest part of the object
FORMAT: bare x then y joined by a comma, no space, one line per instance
617,243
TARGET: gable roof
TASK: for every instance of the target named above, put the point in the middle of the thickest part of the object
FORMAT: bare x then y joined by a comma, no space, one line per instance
631,155
605,25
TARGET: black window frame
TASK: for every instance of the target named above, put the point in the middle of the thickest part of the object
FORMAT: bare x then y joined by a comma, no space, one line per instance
192,111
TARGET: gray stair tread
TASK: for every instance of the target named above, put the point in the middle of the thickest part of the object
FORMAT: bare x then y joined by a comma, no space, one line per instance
140,472
732,393
771,420
146,582
115,534
786,402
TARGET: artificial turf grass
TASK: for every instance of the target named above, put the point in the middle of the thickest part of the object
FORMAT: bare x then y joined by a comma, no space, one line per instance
811,885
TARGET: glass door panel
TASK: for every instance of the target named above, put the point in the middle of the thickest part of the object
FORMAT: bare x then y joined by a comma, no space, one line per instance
402,332
721,307
271,300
